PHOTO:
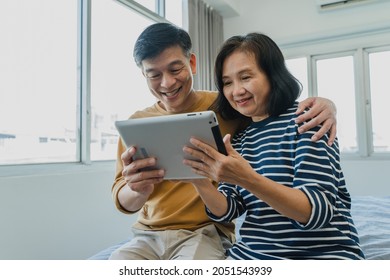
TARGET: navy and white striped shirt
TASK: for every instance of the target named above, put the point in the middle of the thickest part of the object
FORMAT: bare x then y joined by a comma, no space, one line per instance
276,150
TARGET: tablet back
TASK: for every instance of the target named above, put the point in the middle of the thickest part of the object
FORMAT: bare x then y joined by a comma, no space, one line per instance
164,137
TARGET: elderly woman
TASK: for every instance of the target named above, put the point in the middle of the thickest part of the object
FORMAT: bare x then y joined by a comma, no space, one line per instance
291,189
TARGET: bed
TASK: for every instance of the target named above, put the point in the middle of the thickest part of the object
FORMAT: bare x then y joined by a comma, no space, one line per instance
371,215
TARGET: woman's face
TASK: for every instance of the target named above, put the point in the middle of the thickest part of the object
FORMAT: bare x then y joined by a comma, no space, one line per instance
245,86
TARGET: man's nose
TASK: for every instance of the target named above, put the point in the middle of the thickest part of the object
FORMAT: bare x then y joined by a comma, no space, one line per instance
167,80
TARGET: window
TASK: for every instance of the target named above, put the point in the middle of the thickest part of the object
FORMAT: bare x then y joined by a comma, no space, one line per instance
357,82
38,89
41,120
335,80
118,87
379,69
298,67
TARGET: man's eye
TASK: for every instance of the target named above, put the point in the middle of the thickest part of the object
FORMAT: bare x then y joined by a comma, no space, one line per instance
177,71
153,76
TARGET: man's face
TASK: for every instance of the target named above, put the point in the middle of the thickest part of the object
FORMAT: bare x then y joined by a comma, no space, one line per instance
169,78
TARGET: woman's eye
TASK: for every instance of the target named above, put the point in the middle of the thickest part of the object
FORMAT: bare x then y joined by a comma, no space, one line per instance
225,84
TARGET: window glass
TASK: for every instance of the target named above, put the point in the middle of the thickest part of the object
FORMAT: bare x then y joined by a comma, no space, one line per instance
335,80
38,88
380,92
298,67
118,87
173,11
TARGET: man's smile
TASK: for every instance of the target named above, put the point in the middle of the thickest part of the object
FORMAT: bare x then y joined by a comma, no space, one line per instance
172,93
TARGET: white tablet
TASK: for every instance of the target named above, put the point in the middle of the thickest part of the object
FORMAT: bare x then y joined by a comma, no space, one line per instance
164,137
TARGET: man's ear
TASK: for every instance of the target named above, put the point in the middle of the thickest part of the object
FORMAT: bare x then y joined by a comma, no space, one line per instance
193,63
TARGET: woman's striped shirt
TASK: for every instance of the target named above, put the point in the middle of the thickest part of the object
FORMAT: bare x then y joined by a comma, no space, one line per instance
276,150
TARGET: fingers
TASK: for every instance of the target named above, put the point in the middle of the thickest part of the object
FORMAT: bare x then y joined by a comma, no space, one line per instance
310,124
132,166
332,136
308,102
141,173
203,151
194,156
327,127
198,165
133,174
207,149
143,181
228,144
127,155
201,169
200,161
136,165
321,132
144,185
305,117
315,112
313,123
322,112
321,109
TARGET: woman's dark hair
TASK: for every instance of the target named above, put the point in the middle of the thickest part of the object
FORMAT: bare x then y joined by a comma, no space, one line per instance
158,37
285,88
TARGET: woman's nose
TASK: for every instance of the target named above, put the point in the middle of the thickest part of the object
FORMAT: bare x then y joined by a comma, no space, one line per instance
238,89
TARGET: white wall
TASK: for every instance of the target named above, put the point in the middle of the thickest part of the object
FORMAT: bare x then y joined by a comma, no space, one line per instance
59,213
298,27
367,177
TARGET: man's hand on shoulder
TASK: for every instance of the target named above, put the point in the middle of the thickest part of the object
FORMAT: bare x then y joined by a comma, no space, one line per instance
322,111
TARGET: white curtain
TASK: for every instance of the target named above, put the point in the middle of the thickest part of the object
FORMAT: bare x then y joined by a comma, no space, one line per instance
205,26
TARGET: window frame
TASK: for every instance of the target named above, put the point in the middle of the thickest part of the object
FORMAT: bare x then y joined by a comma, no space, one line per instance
365,52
